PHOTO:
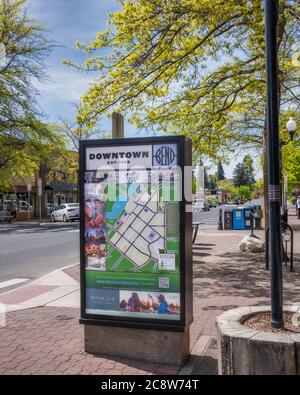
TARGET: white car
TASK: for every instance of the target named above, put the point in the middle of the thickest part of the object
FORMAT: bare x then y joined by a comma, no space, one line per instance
65,212
22,205
200,205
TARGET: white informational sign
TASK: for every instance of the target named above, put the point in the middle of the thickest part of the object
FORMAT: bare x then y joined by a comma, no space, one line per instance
40,187
167,262
117,156
29,186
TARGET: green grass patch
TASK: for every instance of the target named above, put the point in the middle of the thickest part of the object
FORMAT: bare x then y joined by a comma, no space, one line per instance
125,266
112,258
148,268
173,245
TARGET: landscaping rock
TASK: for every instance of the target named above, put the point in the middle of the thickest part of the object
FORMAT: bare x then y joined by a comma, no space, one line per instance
251,244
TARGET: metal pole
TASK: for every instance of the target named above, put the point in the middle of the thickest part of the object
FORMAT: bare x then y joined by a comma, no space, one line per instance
274,196
220,223
40,204
29,206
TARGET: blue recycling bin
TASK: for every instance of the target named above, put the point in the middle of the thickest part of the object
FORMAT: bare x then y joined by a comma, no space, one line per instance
248,218
238,218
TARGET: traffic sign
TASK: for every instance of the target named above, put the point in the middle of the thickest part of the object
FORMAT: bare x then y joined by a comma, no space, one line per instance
40,184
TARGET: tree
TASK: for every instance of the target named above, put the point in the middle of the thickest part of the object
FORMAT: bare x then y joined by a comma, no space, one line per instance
258,188
212,184
191,67
23,136
220,172
243,192
249,170
239,175
64,166
243,173
226,185
291,151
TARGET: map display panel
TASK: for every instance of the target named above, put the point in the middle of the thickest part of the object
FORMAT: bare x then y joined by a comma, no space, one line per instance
132,237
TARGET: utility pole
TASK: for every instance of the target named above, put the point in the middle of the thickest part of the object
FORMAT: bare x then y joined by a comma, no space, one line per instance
117,125
274,195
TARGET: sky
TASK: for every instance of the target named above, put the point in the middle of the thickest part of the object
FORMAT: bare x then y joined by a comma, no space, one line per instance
66,22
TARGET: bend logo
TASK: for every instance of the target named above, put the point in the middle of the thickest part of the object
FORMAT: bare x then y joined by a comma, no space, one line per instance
165,155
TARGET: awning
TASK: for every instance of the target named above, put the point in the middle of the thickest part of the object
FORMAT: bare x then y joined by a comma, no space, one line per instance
61,186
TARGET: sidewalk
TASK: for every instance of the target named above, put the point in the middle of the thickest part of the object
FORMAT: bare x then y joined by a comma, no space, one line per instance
47,339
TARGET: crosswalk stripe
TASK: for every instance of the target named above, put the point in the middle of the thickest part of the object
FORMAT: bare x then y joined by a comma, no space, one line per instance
14,281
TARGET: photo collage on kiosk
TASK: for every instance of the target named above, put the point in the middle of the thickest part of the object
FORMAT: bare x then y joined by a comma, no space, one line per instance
94,222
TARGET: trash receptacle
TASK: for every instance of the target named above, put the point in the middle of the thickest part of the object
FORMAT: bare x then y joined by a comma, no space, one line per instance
238,218
248,218
228,222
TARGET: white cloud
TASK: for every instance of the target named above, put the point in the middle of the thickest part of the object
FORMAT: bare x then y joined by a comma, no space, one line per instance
65,85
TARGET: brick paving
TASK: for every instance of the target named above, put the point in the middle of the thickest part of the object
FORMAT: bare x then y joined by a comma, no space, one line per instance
49,340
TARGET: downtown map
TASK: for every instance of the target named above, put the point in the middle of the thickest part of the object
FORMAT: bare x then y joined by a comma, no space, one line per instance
132,237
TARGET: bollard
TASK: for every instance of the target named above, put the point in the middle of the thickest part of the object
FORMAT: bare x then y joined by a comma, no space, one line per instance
220,224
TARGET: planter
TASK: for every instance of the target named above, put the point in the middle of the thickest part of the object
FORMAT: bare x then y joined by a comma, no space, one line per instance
246,351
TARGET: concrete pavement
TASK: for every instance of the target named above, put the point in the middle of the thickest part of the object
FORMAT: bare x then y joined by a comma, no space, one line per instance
46,337
29,251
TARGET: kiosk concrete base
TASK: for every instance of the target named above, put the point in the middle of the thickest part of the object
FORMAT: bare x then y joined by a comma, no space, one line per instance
172,348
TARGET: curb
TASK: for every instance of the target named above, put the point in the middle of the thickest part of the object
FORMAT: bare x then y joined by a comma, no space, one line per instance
247,351
60,292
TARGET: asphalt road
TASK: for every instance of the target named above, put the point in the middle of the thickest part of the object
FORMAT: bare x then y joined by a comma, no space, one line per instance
209,219
31,252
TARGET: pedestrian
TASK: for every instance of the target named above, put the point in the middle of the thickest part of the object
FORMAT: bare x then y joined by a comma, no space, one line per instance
298,206
13,211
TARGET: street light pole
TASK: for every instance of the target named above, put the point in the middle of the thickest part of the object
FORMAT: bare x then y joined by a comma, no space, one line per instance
291,126
274,197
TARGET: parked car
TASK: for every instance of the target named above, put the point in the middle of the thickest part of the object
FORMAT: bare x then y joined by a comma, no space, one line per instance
21,205
212,203
50,208
200,205
65,212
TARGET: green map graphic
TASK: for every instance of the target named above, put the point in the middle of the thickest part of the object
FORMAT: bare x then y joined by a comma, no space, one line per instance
142,227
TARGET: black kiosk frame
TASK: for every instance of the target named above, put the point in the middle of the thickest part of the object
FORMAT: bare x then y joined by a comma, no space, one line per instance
184,158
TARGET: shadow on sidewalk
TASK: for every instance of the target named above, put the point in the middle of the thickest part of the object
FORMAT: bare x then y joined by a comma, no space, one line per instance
240,275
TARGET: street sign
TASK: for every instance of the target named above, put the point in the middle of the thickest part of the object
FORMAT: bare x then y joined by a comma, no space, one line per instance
40,186
29,186
136,236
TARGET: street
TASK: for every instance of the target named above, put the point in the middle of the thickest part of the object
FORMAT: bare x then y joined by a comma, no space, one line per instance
30,252
208,219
